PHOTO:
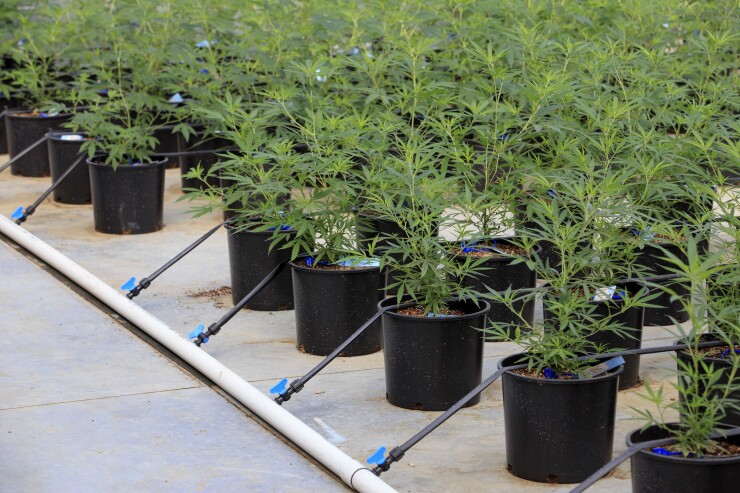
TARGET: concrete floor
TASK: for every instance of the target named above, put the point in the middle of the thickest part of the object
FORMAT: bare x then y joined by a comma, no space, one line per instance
346,402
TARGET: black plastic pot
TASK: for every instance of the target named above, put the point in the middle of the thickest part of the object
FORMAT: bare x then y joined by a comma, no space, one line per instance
330,305
64,150
498,274
23,129
732,418
654,473
558,431
630,322
206,160
651,257
167,141
432,362
129,200
250,260
369,229
5,104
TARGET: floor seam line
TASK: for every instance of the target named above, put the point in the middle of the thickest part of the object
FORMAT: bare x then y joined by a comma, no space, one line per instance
101,398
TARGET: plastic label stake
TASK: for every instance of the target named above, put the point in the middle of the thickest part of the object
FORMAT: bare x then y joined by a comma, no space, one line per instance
603,294
604,367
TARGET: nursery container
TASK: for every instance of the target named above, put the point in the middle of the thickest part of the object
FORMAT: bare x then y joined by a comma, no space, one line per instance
732,417
23,130
558,431
330,305
206,160
651,258
630,322
64,150
654,473
432,362
499,273
129,199
250,261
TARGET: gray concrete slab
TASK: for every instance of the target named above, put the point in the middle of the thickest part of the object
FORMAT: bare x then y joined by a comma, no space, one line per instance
87,406
346,402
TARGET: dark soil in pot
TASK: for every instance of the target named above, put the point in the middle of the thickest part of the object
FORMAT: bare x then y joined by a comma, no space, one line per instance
498,273
725,364
250,261
24,129
432,362
330,305
64,150
167,142
129,200
654,473
558,431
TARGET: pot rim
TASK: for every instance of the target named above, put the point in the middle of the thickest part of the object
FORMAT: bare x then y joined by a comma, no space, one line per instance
713,360
481,311
501,258
153,164
25,113
351,270
56,136
231,229
611,374
710,460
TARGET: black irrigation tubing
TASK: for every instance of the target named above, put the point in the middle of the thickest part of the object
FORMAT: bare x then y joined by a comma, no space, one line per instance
32,208
23,153
195,152
398,452
146,281
296,385
285,391
606,468
201,336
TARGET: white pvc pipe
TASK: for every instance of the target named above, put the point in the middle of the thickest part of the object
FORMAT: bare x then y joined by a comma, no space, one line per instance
355,474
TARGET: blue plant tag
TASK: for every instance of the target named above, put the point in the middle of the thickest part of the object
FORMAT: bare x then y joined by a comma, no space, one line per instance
550,374
176,98
663,451
378,457
726,353
18,213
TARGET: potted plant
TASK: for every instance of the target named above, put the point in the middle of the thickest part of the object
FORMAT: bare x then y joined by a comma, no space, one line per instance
127,180
42,62
256,186
433,350
708,388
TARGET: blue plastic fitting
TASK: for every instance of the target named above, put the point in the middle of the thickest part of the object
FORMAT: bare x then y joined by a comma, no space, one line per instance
378,457
18,213
198,331
280,387
129,285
